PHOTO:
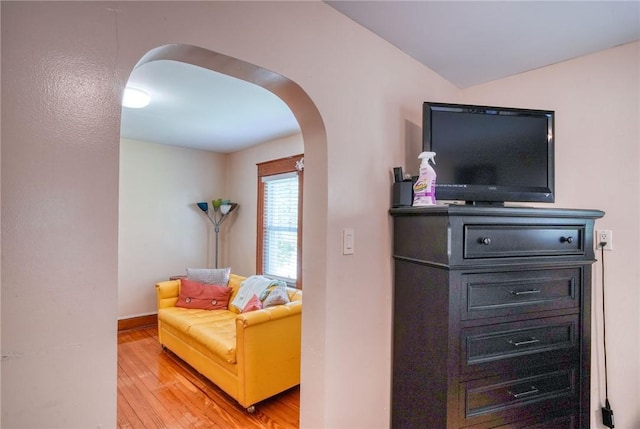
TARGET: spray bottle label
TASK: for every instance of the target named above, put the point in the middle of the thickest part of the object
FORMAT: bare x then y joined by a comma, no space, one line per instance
424,192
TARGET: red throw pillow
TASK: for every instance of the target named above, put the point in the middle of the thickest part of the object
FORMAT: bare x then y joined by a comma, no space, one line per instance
203,296
253,304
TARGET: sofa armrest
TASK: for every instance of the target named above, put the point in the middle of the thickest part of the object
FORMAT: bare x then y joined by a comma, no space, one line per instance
257,317
167,293
268,351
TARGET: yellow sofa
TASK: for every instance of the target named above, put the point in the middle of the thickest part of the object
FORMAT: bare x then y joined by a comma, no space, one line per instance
251,356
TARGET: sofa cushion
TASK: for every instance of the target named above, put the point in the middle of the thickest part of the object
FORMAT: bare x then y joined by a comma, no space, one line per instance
214,276
276,296
204,296
253,285
253,304
235,282
213,329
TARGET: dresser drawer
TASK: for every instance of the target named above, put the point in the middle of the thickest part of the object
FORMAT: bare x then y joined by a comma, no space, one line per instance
526,343
544,422
513,241
520,396
517,292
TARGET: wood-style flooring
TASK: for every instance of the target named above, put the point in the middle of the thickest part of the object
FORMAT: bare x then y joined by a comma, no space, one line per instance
156,389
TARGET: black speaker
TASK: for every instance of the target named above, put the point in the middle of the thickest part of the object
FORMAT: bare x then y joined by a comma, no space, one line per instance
402,194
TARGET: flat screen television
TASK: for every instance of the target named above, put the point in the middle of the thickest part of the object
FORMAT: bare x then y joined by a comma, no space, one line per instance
490,155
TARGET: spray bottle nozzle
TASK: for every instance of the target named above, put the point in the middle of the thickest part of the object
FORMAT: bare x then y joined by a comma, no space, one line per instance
425,157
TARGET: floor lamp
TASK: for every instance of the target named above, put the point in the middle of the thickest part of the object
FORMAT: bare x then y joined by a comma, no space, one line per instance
220,213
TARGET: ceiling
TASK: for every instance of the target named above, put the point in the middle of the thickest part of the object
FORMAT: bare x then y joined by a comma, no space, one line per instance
473,42
202,109
466,42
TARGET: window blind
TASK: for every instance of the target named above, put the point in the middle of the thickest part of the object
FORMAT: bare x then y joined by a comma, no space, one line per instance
280,224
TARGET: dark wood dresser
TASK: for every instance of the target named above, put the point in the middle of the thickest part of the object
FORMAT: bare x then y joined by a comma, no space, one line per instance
491,317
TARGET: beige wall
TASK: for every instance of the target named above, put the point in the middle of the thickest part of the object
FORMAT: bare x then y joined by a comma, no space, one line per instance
161,231
243,187
64,66
597,104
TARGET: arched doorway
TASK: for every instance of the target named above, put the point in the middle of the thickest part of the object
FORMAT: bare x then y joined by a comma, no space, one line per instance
314,136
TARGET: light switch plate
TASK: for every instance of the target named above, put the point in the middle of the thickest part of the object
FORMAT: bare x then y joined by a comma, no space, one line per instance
348,241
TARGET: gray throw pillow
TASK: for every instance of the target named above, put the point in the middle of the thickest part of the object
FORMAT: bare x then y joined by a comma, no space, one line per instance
277,296
214,276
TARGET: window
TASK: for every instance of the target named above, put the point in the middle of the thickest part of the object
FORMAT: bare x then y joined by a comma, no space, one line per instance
279,247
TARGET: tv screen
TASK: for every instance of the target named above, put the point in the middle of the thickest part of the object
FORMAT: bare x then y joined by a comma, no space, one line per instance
490,154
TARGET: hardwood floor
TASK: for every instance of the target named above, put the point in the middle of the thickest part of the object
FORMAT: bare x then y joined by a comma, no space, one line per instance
156,389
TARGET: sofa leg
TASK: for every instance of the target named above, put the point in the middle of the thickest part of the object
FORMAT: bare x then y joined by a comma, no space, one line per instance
251,409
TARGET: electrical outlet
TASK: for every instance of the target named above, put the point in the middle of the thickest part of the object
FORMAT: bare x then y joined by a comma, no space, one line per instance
604,236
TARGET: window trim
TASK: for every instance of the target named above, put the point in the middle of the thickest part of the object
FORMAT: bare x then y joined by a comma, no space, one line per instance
272,168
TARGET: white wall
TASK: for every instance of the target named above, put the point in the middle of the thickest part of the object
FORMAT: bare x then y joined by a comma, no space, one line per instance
243,188
161,230
59,220
597,104
60,194
0,251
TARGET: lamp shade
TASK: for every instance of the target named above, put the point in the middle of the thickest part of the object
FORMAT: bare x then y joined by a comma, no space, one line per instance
204,206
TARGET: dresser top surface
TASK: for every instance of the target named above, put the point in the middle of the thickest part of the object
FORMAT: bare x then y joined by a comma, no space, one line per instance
496,211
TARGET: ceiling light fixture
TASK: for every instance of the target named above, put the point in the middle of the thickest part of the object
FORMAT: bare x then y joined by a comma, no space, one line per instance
135,98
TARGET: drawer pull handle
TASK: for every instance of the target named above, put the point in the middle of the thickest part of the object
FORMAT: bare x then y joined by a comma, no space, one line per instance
566,239
532,391
524,292
485,240
523,343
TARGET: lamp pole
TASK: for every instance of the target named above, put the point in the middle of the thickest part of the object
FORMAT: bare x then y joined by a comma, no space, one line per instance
220,214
